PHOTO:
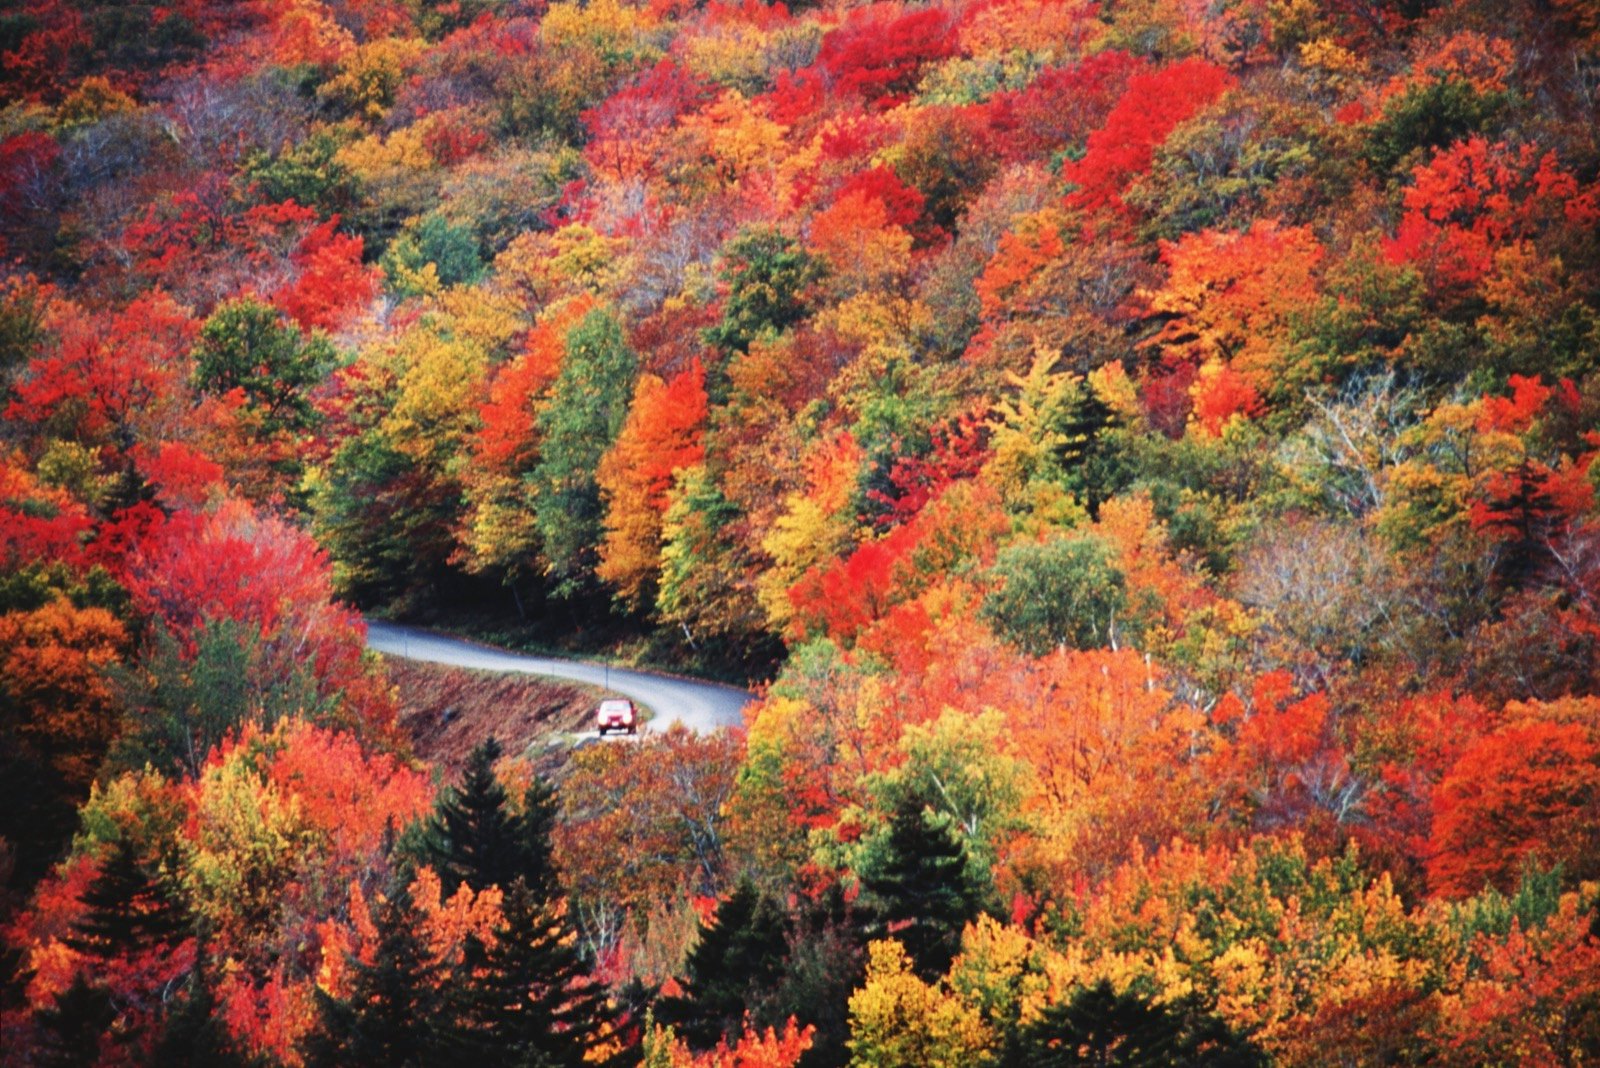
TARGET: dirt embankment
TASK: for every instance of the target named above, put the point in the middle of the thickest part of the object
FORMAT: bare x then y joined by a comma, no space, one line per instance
449,710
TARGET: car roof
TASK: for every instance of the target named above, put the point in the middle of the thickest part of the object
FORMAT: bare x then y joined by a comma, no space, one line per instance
616,702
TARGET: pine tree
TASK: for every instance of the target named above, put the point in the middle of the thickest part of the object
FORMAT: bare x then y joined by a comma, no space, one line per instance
127,913
69,1031
921,889
475,838
193,1034
1101,1027
536,827
125,910
737,962
395,1014
529,1000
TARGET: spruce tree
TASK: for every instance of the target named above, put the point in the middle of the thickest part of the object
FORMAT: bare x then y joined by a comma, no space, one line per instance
69,1031
536,826
395,1015
738,962
193,1034
529,1001
125,909
921,889
475,838
1102,1027
126,913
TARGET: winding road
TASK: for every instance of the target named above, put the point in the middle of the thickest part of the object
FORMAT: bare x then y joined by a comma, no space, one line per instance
701,706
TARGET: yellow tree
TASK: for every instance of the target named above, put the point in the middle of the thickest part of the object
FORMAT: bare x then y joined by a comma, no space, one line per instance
899,1021
816,524
53,691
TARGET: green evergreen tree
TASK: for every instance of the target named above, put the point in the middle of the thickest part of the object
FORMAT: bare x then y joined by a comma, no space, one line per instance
193,1035
396,1014
530,1002
537,824
126,910
920,888
127,913
475,838
1103,1028
588,404
737,966
70,1029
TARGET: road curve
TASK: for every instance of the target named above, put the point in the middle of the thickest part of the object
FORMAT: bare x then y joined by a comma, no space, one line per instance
701,706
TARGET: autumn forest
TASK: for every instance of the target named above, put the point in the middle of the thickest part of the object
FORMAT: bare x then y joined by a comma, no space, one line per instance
1139,454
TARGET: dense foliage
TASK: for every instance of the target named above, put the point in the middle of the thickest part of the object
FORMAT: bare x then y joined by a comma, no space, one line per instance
1146,447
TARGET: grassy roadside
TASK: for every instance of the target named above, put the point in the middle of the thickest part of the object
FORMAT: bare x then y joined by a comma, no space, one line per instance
449,710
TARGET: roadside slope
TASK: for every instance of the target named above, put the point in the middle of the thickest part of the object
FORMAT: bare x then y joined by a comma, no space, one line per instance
701,706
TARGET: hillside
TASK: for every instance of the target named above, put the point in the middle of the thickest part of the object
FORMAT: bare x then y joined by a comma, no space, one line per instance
448,712
1141,452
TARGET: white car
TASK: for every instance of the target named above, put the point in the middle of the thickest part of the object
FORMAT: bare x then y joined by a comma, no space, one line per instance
617,713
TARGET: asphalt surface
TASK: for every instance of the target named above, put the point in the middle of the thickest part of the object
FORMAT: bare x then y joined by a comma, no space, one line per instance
701,706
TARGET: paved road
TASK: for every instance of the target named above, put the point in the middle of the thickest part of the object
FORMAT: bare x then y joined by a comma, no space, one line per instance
700,706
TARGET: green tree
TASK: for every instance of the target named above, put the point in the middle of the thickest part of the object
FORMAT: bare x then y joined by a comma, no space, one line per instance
128,913
826,962
767,275
380,515
919,885
180,705
396,1013
126,909
306,173
1053,434
194,1035
138,36
704,589
475,838
433,240
247,345
1065,591
1105,1029
530,1001
21,330
736,965
587,406
70,1028
1431,115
